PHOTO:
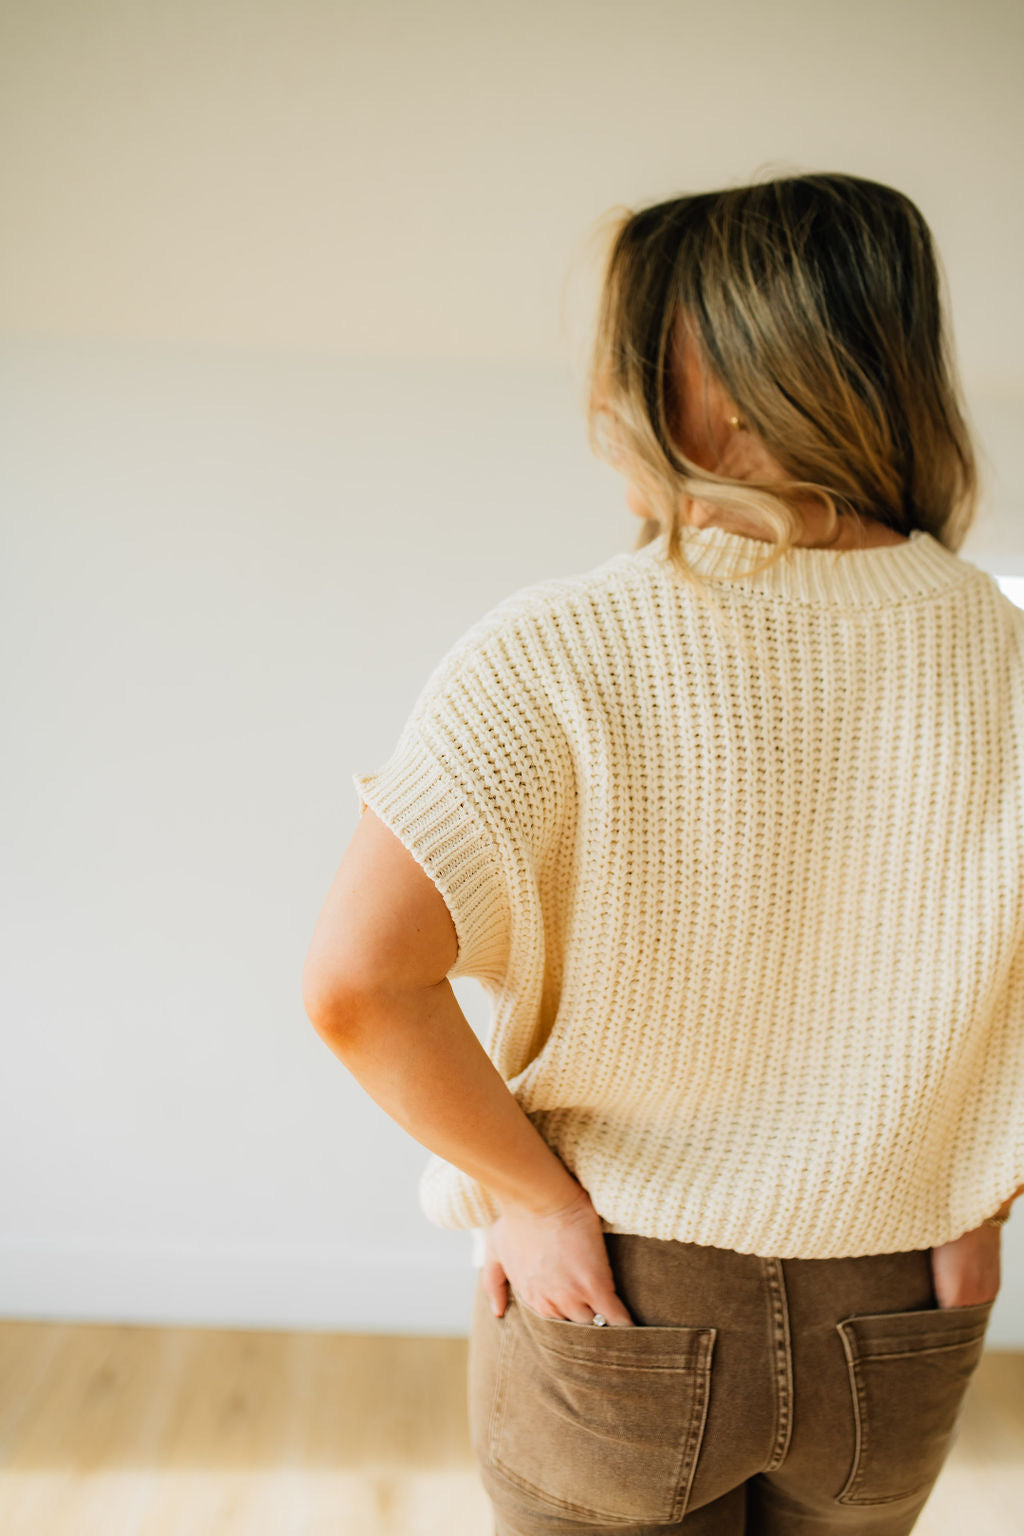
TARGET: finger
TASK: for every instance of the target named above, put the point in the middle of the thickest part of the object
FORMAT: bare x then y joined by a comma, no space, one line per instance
495,1284
573,1312
614,1312
610,1308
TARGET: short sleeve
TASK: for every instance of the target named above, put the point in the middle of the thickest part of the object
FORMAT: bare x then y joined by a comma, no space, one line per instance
469,791
424,793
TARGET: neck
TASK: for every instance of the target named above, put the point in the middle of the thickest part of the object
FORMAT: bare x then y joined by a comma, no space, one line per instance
849,533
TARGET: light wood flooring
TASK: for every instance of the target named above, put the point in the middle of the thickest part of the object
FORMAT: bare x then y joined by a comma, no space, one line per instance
139,1431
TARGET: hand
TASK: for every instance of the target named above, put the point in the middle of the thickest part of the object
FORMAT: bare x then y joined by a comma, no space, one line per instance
967,1270
557,1263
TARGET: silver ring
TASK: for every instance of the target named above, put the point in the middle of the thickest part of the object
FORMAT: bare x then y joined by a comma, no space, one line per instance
598,1320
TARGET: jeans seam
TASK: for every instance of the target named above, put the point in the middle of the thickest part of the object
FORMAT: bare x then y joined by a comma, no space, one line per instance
782,1361
698,1424
498,1405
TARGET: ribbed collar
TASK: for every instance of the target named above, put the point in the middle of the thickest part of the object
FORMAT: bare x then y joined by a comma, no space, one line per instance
855,578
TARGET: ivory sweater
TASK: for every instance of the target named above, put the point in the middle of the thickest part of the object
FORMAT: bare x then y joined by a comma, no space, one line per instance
752,930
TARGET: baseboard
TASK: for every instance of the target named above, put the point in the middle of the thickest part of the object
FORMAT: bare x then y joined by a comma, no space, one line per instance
334,1289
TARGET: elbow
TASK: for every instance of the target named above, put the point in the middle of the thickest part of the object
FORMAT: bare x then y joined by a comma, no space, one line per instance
330,1008
329,987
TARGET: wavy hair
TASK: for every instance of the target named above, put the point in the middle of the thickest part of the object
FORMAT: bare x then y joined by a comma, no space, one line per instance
819,303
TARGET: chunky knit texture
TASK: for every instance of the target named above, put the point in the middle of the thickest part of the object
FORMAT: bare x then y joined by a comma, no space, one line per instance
751,925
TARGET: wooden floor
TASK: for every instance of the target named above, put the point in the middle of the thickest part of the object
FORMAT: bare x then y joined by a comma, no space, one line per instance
113,1431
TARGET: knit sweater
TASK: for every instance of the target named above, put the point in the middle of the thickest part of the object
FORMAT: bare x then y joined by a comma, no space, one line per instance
750,917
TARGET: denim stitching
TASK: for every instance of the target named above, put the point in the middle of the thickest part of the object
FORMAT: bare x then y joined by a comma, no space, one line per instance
498,1405
689,1448
850,1485
921,1349
553,1500
698,1422
848,1494
782,1359
855,1480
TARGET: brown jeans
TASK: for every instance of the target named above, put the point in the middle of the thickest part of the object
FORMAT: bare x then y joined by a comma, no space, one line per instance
781,1397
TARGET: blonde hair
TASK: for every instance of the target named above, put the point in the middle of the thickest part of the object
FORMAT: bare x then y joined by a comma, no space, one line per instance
818,302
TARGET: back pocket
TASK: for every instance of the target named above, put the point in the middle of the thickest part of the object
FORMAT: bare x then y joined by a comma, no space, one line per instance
601,1422
909,1373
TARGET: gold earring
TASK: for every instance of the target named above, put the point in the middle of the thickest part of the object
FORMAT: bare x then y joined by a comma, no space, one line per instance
734,421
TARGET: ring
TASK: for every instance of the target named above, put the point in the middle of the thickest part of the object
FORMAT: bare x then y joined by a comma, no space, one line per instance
598,1320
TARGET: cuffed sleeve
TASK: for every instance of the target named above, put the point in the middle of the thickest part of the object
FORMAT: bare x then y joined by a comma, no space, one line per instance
474,789
424,794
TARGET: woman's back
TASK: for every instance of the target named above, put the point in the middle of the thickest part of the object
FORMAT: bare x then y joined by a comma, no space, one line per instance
754,933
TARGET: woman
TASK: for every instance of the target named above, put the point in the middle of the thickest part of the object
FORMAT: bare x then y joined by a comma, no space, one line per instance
731,834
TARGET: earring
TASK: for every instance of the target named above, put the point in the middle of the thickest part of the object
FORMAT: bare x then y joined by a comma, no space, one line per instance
734,421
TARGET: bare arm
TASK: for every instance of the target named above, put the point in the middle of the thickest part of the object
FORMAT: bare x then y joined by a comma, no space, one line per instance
417,1057
374,987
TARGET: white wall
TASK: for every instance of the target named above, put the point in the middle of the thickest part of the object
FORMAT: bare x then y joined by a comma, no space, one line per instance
291,301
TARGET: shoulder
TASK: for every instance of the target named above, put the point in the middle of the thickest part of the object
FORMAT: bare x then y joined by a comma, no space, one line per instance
532,627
